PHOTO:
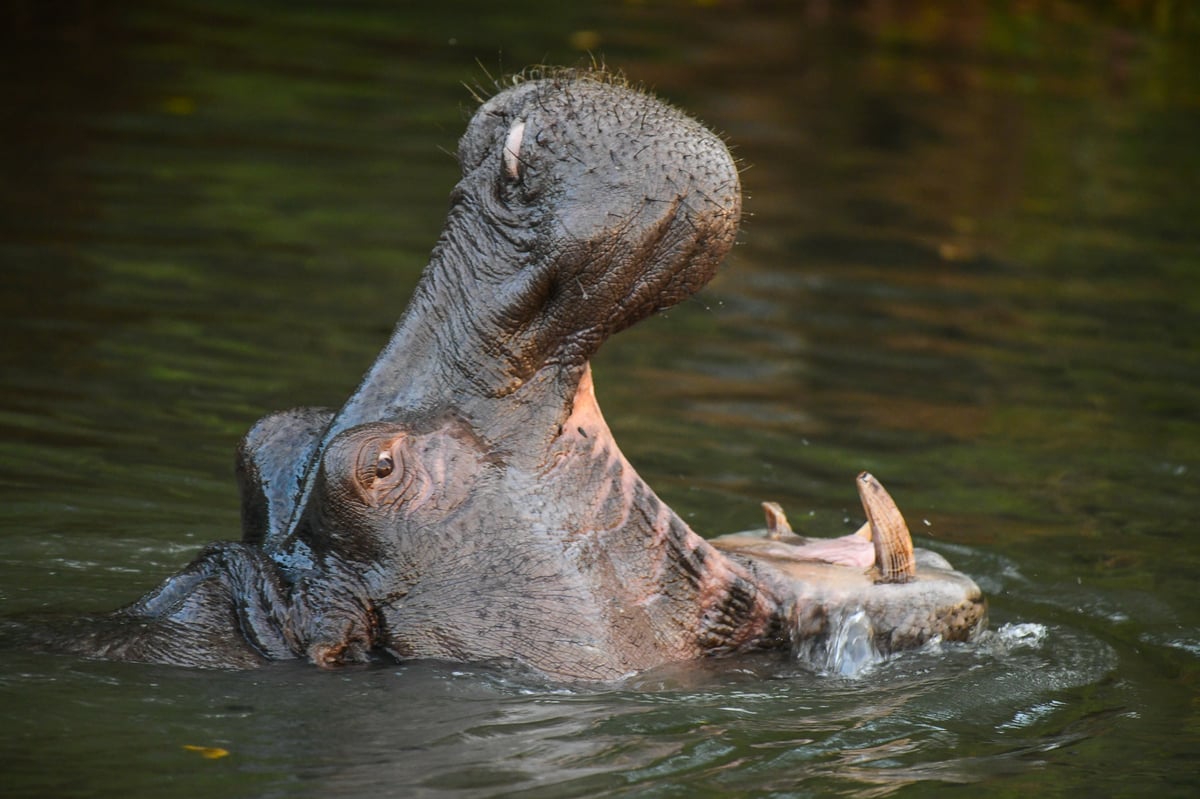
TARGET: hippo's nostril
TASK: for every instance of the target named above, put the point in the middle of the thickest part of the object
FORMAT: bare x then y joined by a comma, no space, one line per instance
512,149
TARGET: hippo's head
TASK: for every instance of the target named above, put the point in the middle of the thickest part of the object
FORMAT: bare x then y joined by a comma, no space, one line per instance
468,501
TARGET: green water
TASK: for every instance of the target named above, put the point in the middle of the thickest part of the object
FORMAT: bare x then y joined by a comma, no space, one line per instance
971,265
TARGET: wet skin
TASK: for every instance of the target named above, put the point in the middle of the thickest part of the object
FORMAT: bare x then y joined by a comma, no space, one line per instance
468,502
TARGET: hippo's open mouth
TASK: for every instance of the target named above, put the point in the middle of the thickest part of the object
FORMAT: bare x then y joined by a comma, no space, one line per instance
468,501
883,543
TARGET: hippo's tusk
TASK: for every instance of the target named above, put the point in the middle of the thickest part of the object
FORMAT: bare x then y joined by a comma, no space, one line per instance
893,543
777,523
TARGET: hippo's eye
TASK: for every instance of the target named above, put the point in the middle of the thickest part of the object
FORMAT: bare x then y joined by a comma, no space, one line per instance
384,466
512,150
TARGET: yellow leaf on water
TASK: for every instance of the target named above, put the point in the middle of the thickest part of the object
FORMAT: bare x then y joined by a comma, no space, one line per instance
207,752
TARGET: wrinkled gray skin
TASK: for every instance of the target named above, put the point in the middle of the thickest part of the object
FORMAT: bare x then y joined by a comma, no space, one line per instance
468,501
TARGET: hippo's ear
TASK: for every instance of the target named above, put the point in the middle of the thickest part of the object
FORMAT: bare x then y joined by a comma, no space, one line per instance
271,461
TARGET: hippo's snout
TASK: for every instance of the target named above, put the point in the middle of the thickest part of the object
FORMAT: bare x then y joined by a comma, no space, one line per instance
617,206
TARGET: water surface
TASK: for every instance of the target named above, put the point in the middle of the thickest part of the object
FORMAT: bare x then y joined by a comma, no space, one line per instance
970,265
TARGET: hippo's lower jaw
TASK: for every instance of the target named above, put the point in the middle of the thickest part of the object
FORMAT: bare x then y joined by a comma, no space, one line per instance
872,586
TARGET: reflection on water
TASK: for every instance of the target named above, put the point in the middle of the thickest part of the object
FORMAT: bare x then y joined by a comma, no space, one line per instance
969,266
960,713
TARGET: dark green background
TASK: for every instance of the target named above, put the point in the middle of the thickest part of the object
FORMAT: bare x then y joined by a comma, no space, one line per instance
970,264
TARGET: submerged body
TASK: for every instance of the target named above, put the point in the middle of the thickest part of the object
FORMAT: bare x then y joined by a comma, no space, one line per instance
468,501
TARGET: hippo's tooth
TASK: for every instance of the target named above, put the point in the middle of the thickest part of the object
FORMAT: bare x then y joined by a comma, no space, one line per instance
893,544
777,523
512,149
864,532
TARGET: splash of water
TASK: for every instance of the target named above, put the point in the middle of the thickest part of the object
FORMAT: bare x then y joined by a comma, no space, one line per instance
847,650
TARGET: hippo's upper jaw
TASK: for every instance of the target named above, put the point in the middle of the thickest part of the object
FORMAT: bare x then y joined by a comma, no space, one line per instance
583,207
469,501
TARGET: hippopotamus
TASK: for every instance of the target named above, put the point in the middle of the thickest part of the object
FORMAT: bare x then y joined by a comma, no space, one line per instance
468,501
